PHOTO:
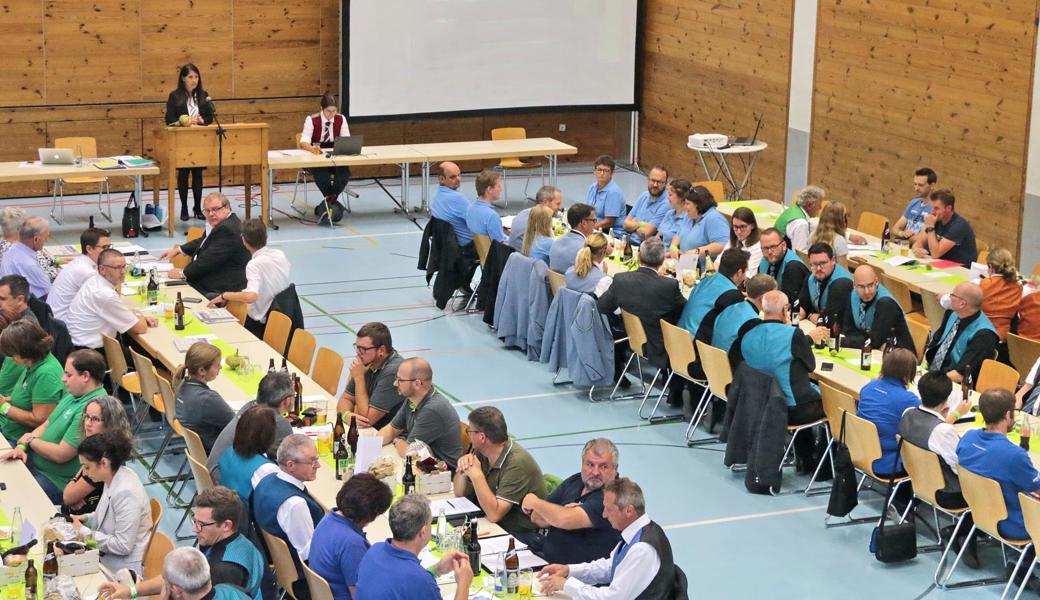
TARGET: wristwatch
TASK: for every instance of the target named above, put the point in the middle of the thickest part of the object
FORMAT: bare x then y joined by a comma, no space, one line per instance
929,229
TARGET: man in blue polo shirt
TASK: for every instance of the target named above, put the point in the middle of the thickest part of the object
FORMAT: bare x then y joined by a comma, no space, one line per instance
607,198
451,205
911,221
481,217
391,570
650,208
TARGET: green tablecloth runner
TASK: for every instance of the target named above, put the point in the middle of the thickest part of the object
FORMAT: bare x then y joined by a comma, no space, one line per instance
951,278
740,204
849,358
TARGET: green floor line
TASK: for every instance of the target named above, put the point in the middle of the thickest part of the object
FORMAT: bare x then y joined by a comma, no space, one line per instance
326,314
407,287
453,398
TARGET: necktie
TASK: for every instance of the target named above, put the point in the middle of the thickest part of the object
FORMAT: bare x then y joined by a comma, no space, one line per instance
327,135
944,346
622,549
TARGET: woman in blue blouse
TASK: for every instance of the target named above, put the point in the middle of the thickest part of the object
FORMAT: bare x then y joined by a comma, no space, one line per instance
707,230
538,237
674,218
883,401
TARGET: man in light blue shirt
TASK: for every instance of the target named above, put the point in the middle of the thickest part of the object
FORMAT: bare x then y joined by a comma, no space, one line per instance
548,195
650,208
20,258
481,217
607,198
912,219
451,205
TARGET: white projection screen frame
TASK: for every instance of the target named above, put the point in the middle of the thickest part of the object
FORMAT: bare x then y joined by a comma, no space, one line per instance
412,58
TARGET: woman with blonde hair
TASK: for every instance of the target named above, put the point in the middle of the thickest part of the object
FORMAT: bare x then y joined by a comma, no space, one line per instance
834,222
1001,291
538,237
588,274
199,408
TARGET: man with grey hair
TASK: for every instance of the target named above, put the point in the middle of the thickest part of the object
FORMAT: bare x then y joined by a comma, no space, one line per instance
20,258
548,195
218,258
573,512
276,391
649,296
391,569
795,222
640,566
186,576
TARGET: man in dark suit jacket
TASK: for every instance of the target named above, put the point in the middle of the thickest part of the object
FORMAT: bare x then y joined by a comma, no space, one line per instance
218,258
648,296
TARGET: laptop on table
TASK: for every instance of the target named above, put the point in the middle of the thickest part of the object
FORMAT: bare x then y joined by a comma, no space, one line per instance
56,156
747,141
348,145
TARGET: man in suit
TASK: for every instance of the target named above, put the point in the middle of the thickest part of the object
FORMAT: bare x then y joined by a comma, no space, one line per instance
218,257
582,219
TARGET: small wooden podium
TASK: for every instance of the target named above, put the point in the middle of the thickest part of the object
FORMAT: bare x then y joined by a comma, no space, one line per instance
245,145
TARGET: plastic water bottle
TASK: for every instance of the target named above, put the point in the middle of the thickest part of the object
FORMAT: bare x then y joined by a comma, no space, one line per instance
16,526
442,527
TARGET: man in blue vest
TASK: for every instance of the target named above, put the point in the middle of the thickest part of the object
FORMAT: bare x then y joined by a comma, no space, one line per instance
965,337
282,506
732,269
873,314
723,323
781,263
639,567
827,291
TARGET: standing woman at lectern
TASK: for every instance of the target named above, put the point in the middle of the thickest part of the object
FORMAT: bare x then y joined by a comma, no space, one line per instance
187,105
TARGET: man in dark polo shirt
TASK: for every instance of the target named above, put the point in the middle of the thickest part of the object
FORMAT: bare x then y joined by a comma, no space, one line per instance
427,416
370,392
573,512
499,474
946,234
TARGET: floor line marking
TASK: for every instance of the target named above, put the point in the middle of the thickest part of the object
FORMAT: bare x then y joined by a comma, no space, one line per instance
748,517
325,313
363,236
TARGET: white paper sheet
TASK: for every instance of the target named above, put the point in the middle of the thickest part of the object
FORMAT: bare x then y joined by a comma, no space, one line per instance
896,261
369,447
507,221
454,506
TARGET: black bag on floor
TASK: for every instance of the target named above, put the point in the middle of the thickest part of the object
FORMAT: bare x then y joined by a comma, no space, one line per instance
132,218
896,542
323,214
844,492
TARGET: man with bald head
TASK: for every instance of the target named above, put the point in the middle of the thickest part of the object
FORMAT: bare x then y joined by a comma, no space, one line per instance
449,204
427,416
873,313
965,337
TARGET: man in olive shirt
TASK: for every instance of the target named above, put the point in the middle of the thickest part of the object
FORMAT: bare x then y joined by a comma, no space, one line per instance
499,475
370,391
426,416
53,445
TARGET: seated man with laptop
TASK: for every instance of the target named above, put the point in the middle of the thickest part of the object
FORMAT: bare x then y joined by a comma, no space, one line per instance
323,131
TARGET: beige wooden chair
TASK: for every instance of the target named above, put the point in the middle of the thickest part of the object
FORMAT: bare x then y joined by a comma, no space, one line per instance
718,192
316,584
182,260
239,309
994,374
871,223
155,554
276,331
173,432
467,444
1023,353
901,292
118,372
919,332
1031,517
148,379
483,246
988,508
932,309
284,566
557,280
861,437
681,354
83,147
328,368
637,344
926,478
301,349
718,374
512,163
834,402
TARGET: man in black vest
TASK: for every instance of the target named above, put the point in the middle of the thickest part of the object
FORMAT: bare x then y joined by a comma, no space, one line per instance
640,567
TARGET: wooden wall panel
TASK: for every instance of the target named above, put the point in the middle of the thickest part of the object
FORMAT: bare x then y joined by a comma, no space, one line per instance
277,51
710,66
330,48
20,143
23,75
175,32
943,84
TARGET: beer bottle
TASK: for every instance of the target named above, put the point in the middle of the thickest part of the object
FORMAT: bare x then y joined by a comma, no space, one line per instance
285,365
270,366
886,233
709,265
341,457
473,549
90,222
512,567
864,356
627,254
297,396
408,479
821,322
795,317
178,313
153,288
338,430
966,388
32,577
1024,434
352,435
50,564
835,340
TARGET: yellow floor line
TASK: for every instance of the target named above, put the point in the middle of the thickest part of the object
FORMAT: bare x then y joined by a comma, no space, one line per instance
362,236
761,515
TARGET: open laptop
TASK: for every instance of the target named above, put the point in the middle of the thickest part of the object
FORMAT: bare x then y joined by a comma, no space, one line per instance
349,145
747,141
56,156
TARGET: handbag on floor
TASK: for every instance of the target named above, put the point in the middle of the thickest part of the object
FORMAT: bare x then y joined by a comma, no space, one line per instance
132,218
896,542
844,487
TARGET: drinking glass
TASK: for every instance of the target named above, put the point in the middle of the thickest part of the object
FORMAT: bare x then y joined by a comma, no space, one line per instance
524,583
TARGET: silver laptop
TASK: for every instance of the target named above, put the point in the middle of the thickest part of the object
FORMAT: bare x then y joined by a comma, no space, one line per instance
349,145
56,156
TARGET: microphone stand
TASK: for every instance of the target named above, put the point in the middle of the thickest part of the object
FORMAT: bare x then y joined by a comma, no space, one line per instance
221,134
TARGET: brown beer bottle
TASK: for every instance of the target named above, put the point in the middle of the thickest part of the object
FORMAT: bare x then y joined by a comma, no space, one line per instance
512,567
338,431
352,435
408,479
341,457
178,313
32,577
50,564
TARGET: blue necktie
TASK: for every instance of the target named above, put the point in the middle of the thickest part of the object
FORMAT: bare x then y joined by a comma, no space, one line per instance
618,557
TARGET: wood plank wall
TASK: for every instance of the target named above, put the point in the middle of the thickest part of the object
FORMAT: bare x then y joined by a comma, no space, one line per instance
708,67
943,84
104,68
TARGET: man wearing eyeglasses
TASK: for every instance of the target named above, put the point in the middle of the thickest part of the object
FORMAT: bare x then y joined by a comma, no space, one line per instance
873,313
218,258
606,197
72,276
781,263
964,339
232,558
427,416
98,309
650,207
582,219
827,291
370,392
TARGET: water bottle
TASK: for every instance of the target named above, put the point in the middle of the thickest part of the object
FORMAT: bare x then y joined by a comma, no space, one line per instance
79,156
16,526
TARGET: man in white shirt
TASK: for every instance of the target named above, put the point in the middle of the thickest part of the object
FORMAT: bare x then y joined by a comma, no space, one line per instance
267,275
639,567
98,309
320,131
72,276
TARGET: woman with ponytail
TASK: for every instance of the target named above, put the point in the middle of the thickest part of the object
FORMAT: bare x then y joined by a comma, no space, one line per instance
588,274
538,237
199,408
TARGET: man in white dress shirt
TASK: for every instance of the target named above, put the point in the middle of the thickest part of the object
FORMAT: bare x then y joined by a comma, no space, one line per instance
320,131
98,309
281,503
639,567
267,275
72,276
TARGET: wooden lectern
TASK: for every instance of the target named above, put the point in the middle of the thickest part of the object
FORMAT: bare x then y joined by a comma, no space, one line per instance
245,145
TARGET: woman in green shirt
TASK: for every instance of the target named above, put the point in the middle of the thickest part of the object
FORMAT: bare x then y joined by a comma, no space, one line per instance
38,388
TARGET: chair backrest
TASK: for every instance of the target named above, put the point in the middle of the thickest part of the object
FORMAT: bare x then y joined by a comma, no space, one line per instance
679,346
87,145
924,469
467,444
508,133
155,554
149,380
169,400
984,499
483,245
1023,352
301,349
182,260
276,333
994,374
899,290
635,332
239,309
716,368
932,309
919,332
316,584
861,436
116,361
557,280
195,446
156,510
981,246
284,567
203,478
983,256
327,370
871,223
1031,516
715,187
834,402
